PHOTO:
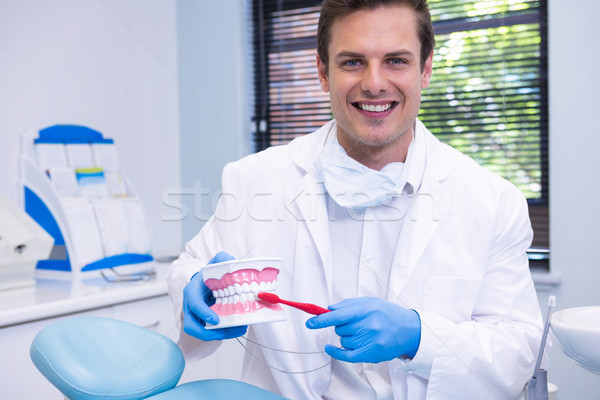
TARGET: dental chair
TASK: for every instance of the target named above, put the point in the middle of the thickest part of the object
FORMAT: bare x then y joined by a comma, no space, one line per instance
91,358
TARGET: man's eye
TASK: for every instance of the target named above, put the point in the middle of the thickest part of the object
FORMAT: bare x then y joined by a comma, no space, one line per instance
397,61
352,63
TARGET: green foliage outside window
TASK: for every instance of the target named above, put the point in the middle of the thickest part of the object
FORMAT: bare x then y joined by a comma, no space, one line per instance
486,96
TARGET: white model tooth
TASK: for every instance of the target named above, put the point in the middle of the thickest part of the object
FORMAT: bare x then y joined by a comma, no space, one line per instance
215,294
218,301
236,299
246,287
269,286
237,287
221,293
231,290
225,300
274,285
254,286
243,298
263,286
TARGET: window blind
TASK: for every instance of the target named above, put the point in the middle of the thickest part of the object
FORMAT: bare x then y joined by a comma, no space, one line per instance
487,98
288,99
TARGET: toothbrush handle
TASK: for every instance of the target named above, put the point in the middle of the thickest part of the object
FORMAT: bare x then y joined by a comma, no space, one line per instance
306,307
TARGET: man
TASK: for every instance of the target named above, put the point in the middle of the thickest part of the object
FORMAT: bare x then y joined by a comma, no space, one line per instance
419,252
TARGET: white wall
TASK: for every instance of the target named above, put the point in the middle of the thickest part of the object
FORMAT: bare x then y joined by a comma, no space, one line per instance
109,65
574,172
214,72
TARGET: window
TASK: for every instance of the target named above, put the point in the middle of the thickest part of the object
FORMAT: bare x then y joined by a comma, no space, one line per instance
487,98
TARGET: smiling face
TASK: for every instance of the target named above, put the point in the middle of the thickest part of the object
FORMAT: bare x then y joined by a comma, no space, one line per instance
374,79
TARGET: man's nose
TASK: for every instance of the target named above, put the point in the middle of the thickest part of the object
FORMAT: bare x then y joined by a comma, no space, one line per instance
374,80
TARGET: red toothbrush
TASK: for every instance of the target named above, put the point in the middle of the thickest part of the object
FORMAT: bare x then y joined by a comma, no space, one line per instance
307,307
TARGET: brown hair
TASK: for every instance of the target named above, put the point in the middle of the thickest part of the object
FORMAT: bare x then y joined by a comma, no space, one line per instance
335,9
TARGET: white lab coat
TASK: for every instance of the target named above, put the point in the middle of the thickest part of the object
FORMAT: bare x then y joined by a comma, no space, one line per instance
460,263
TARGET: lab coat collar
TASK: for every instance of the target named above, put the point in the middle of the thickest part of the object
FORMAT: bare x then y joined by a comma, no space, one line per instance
424,215
310,152
311,202
310,194
437,161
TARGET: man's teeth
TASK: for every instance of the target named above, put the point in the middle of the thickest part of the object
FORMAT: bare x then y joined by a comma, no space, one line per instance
375,108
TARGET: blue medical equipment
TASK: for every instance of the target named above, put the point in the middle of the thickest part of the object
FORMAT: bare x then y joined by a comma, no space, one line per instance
71,167
92,358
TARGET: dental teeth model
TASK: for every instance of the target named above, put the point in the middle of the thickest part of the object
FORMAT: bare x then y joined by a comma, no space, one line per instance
235,285
236,292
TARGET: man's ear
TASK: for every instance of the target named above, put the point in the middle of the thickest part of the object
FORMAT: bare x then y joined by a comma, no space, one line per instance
427,70
323,77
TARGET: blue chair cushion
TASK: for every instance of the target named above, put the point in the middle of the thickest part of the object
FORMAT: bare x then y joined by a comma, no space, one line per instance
89,358
216,389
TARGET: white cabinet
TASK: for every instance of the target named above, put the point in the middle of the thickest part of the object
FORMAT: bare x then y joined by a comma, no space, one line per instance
19,379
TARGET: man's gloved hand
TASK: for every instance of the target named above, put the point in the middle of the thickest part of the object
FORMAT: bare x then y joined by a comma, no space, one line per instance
371,330
197,299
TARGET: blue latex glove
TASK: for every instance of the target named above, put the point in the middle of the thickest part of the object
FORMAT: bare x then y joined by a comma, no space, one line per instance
371,330
197,299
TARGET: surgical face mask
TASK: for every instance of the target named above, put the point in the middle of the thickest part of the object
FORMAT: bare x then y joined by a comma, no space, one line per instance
351,184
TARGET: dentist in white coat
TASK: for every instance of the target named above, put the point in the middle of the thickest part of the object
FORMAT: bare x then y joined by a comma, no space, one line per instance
419,252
